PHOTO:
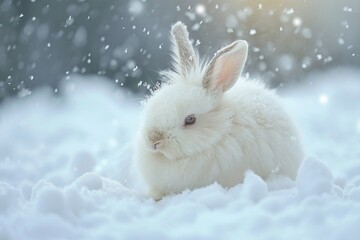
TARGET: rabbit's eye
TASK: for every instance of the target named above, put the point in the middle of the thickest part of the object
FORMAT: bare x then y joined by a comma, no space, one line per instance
189,120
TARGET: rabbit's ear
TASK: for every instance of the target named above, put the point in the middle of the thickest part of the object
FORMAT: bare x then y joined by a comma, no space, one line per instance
225,68
184,54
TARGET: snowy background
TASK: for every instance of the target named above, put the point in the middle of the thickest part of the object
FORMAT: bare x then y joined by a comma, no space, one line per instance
72,74
42,42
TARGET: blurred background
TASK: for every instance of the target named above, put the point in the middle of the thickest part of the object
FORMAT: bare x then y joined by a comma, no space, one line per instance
127,41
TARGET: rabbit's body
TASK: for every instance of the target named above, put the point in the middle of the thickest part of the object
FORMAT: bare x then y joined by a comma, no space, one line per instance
236,129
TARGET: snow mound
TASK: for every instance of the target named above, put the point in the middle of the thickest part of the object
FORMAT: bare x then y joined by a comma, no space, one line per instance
254,187
66,172
314,178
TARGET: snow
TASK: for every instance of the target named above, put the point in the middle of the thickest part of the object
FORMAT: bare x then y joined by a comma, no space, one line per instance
66,172
314,178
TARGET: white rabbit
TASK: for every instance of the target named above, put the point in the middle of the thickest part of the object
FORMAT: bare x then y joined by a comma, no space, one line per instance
200,127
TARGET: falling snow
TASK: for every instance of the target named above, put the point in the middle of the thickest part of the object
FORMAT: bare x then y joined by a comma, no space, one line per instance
72,74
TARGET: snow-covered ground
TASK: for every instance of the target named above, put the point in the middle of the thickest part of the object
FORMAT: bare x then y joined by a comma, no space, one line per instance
65,171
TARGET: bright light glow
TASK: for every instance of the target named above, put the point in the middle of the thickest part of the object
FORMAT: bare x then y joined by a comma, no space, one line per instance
297,22
358,126
136,7
200,9
323,99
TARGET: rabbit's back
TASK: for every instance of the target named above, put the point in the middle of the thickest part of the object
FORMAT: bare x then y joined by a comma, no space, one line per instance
268,138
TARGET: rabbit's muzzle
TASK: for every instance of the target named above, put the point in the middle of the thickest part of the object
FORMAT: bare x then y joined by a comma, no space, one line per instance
156,139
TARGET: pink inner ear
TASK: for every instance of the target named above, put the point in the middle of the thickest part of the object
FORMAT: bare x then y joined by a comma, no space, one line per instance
228,69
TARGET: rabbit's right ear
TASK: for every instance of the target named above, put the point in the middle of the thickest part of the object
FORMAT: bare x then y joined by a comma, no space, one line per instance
225,68
184,54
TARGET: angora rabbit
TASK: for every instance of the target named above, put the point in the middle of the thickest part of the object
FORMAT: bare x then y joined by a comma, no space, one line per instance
206,124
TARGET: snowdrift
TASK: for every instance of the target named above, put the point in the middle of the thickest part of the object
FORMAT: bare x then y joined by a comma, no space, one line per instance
66,171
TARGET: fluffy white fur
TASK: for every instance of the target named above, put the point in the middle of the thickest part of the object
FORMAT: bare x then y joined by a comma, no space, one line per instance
238,127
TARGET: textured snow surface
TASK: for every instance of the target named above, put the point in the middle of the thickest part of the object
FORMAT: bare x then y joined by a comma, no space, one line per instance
65,171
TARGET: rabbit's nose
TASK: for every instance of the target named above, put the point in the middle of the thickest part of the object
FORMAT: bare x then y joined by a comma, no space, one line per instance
155,138
157,145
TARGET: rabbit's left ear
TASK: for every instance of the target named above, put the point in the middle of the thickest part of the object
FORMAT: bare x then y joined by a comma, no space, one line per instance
184,54
225,68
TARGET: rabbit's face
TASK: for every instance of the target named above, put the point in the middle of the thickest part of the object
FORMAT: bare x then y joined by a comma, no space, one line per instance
188,117
181,120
